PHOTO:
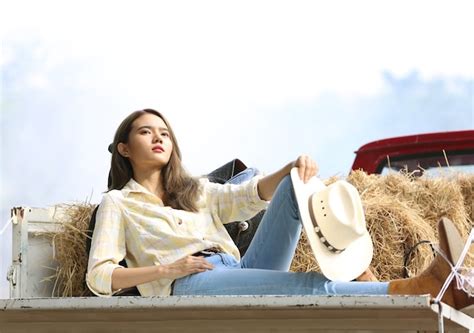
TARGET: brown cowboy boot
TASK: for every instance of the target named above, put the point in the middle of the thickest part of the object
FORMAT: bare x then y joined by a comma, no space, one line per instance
432,279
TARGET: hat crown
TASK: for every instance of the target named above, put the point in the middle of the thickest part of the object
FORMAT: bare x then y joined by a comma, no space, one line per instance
339,214
356,255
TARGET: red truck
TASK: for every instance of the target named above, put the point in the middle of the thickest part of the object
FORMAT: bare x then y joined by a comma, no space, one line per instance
420,153
31,307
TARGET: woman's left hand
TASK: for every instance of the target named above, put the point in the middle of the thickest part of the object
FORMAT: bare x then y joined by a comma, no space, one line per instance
307,168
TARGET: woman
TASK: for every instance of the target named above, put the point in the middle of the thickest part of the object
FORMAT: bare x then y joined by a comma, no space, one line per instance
169,227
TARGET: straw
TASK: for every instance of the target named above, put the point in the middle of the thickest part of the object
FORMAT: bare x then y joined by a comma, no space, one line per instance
401,210
70,250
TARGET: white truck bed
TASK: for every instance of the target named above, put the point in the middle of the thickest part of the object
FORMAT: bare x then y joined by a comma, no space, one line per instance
229,314
31,309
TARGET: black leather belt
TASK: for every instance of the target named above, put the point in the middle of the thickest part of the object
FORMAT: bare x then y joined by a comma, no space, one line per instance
207,252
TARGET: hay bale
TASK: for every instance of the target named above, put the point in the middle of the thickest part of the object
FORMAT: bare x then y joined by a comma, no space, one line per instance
401,211
70,250
466,183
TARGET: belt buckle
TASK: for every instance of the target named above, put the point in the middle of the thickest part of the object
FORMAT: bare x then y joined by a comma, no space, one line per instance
210,251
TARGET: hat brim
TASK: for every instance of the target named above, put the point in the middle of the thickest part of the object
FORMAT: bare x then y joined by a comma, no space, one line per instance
344,266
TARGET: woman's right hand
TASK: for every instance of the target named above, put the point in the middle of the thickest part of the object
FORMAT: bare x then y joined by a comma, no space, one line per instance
186,266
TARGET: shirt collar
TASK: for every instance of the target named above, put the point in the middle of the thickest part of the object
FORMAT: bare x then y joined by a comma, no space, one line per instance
133,187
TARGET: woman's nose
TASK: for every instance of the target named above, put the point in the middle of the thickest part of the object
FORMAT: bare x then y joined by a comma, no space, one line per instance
157,138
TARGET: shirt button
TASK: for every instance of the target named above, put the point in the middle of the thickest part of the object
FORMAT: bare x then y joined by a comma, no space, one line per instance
243,226
180,222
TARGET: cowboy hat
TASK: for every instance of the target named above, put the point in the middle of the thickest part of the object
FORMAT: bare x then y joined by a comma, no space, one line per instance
334,222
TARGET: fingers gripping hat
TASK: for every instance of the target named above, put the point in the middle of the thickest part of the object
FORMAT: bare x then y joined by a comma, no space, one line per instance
334,222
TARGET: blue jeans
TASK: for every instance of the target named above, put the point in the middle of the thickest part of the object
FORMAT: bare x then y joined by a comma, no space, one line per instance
263,269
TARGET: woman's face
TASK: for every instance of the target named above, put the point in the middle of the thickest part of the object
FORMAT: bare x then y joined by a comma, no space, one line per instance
149,143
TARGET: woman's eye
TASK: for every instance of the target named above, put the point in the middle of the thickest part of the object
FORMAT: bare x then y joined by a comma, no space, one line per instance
145,132
165,134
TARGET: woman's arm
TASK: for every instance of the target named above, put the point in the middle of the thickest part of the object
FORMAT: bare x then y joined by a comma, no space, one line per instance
307,168
232,202
107,247
130,277
105,276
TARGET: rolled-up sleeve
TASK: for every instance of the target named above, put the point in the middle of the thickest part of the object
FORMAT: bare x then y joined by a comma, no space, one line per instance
235,202
107,248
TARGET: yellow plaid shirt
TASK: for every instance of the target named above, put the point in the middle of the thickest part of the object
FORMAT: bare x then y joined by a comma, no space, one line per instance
133,223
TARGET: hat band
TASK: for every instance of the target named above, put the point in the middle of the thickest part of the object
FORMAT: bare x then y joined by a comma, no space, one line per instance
317,229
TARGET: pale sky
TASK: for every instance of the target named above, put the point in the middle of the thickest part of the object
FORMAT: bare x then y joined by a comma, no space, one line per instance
264,81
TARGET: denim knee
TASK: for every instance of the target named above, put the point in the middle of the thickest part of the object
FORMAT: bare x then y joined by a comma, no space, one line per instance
243,176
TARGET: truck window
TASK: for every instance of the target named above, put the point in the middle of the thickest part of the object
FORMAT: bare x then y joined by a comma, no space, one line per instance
434,165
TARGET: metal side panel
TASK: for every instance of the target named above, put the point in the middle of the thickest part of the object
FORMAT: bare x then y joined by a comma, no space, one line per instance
229,314
32,251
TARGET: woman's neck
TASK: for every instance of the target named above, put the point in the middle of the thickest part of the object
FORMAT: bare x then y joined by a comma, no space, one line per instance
151,180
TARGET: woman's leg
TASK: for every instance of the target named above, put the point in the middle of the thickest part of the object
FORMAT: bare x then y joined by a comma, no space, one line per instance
228,278
243,176
274,244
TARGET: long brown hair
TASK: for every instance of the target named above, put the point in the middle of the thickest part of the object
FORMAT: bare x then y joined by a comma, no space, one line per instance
181,190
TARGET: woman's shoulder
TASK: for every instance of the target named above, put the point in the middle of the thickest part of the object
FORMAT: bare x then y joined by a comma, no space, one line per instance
114,193
112,196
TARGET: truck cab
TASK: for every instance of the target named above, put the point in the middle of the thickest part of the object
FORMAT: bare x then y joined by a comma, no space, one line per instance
429,153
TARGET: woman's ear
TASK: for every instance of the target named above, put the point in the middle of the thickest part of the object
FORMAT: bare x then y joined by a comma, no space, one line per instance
122,149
